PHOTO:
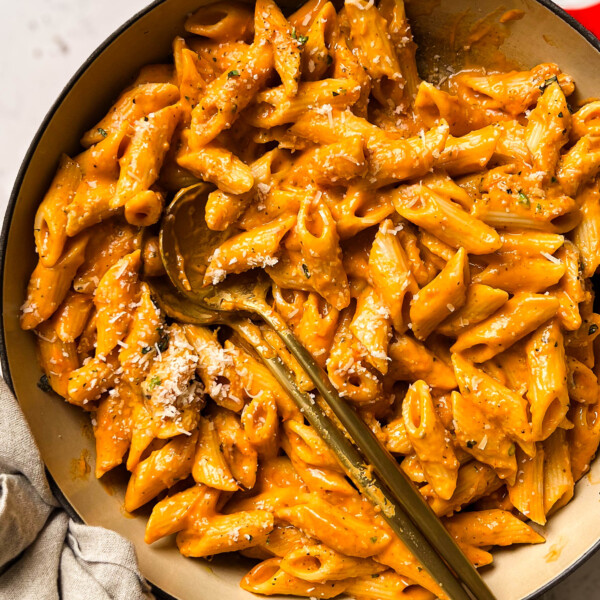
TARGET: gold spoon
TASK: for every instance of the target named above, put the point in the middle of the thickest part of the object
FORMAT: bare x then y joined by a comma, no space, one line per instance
186,244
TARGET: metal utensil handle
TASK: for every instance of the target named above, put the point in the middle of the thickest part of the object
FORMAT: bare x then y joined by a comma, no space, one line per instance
385,465
353,463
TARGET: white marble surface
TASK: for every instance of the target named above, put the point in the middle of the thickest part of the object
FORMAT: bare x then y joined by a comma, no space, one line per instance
42,43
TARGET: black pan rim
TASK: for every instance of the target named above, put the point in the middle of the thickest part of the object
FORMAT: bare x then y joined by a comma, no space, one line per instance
12,202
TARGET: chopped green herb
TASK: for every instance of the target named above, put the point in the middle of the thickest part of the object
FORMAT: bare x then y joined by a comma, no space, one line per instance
554,180
471,443
154,382
374,539
523,199
301,39
146,349
102,132
593,328
329,59
374,575
538,208
511,450
233,73
548,83
560,115
306,271
163,342
44,384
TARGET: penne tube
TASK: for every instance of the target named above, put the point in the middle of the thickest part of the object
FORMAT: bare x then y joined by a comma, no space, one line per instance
248,250
218,165
371,42
109,243
144,209
335,527
275,106
579,164
319,563
469,153
484,528
391,275
527,493
223,21
430,440
48,286
396,437
413,157
481,301
475,480
530,243
268,578
226,533
142,434
72,316
548,128
582,383
170,515
145,340
583,438
441,297
519,316
558,478
271,25
482,438
387,586
115,296
58,358
87,383
522,274
260,422
499,404
241,457
403,562
144,156
349,373
586,120
513,92
113,427
210,466
305,443
445,219
412,360
134,104
50,225
321,253
227,95
586,235
548,394
161,470
371,326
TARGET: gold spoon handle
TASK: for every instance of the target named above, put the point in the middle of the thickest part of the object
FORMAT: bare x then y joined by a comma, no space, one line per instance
408,497
370,484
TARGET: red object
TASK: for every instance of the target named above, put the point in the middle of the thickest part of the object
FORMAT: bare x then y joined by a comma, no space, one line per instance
586,12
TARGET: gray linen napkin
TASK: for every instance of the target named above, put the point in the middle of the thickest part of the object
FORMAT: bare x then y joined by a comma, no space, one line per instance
45,555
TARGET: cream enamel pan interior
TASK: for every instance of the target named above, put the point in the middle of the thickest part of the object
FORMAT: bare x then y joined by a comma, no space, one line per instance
63,433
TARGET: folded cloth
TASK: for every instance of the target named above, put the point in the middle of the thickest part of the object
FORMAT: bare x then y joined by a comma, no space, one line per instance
44,554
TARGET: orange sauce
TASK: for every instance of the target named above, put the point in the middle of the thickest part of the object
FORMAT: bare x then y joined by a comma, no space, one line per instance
512,15
80,467
555,550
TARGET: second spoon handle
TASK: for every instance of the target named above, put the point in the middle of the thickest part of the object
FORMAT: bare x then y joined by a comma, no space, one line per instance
384,464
